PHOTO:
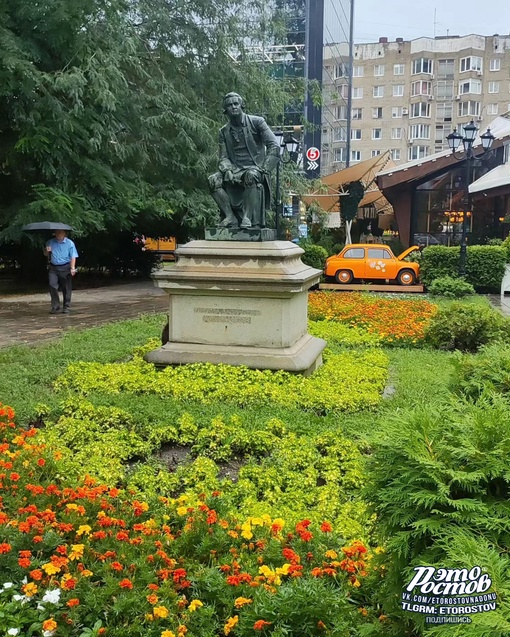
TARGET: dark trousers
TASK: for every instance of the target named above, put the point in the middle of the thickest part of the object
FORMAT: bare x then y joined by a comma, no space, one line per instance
60,278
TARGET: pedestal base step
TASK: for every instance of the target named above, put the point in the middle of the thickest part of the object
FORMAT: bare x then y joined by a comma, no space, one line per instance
240,234
304,357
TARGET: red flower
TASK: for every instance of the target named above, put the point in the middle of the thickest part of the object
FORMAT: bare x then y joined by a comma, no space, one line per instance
326,527
5,547
24,562
73,602
126,583
41,462
260,624
117,566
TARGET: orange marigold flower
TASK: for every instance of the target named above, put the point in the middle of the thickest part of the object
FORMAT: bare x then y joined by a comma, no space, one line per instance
41,462
24,562
36,574
14,476
126,583
49,624
29,589
152,599
260,624
117,566
231,623
73,602
326,527
5,547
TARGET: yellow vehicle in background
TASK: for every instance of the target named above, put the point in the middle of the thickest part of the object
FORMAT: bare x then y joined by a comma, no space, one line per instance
163,246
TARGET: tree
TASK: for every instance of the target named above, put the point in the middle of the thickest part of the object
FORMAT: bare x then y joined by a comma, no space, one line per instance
349,206
109,110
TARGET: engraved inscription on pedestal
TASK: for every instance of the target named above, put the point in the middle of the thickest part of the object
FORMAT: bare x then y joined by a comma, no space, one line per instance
226,315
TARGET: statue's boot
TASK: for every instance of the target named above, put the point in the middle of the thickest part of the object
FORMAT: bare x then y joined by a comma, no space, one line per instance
245,223
229,222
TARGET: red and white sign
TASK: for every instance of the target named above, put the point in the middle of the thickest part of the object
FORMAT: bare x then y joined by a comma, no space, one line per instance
313,153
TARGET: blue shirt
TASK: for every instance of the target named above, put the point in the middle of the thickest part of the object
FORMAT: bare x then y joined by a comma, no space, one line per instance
62,251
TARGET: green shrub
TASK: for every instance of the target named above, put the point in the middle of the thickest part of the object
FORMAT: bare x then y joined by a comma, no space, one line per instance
348,381
488,371
485,265
506,247
438,480
315,256
451,288
466,327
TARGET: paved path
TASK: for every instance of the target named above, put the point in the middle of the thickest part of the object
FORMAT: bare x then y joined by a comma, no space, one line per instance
502,303
26,319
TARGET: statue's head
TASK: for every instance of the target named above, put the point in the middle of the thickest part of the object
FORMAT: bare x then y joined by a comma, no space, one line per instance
232,100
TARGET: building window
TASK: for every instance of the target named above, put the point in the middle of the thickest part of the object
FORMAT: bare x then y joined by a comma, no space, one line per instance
340,112
493,87
379,70
396,133
444,89
357,71
444,112
442,132
339,155
398,69
341,91
420,109
341,70
471,86
375,153
355,155
395,154
422,65
396,112
339,134
469,108
446,68
418,152
495,64
377,112
398,90
419,131
357,113
421,88
471,63
356,133
378,91
357,93
376,133
492,109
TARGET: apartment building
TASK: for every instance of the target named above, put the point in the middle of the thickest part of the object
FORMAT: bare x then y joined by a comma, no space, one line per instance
408,96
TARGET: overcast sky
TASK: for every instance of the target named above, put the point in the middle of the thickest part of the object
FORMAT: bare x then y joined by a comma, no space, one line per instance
412,19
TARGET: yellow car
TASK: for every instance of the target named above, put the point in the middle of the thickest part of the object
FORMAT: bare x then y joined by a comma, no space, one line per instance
371,261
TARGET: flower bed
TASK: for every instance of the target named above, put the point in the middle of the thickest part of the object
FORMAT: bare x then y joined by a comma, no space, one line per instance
89,559
395,321
347,381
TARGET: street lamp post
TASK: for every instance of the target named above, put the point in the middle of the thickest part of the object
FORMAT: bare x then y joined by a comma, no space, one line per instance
288,146
454,142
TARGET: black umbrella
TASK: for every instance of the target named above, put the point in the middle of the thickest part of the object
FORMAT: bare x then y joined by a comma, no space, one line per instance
46,225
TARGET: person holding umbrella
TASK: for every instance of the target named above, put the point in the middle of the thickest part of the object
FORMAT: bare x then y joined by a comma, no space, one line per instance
62,255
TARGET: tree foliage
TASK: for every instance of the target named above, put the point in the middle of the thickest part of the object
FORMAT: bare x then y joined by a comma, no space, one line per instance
109,110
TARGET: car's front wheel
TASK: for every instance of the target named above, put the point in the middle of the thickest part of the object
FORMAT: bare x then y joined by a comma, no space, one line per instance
343,276
406,277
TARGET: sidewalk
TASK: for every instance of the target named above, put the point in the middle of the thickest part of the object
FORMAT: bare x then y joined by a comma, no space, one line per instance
26,319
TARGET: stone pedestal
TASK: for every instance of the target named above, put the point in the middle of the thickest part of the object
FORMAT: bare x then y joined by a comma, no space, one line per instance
239,303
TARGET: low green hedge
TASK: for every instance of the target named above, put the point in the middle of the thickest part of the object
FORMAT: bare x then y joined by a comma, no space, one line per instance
485,265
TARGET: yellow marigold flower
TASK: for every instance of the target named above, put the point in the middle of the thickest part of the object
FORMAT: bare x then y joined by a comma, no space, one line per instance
149,617
49,625
246,531
182,511
331,555
50,569
379,549
87,573
160,611
266,519
283,570
356,583
76,551
196,603
29,589
242,601
279,522
231,622
256,521
167,633
84,529
74,507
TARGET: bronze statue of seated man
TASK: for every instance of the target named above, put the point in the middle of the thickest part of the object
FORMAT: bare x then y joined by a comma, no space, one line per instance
248,151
